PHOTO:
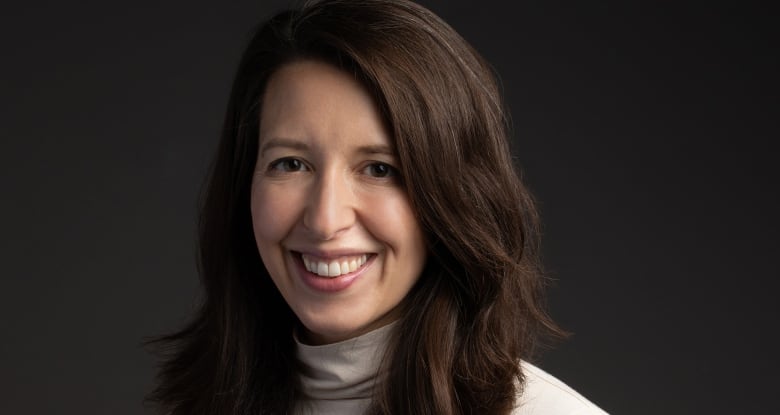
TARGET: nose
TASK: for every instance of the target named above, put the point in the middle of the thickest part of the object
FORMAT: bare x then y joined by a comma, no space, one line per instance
330,206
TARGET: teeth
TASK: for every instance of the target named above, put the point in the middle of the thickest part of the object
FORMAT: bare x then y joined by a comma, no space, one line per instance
322,269
335,267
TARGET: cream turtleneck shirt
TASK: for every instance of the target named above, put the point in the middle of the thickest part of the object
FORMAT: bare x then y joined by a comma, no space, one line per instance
338,379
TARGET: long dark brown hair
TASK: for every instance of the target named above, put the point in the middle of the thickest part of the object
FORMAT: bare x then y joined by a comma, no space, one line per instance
477,309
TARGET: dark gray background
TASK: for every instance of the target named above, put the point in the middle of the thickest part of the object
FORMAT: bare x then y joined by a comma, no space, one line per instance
645,128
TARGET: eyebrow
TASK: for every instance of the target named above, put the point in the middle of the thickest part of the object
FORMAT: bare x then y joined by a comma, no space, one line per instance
282,142
300,145
377,149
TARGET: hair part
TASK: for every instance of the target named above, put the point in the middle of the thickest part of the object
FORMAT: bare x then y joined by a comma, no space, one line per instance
476,311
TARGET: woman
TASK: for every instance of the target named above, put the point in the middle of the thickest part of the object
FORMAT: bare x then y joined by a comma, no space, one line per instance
366,245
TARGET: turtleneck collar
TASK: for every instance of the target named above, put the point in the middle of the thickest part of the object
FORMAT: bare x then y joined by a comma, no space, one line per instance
340,377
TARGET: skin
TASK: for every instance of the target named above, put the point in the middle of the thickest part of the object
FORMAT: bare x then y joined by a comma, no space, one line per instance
326,185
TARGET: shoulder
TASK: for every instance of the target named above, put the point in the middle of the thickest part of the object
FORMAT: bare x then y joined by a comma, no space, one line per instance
543,394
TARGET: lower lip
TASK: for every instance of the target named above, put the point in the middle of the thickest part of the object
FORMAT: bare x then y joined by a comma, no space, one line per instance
329,284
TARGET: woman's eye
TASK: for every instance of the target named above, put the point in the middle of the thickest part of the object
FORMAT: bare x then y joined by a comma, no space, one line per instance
288,165
381,170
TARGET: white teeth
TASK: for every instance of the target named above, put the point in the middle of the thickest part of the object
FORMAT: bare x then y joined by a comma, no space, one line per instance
322,269
334,268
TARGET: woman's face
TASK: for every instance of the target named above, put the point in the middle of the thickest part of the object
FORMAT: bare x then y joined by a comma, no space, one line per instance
331,219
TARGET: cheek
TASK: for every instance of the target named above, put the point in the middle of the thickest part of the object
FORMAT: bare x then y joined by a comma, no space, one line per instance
394,221
272,214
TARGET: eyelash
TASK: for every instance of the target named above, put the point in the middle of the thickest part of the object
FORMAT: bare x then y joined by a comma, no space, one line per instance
390,171
283,165
279,165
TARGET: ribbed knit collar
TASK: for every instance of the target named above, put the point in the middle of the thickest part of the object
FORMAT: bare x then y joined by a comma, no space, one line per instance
343,370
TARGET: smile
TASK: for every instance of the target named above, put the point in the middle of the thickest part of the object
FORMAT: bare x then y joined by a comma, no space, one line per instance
333,267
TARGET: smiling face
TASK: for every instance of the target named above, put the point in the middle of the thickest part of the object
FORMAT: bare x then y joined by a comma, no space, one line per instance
331,219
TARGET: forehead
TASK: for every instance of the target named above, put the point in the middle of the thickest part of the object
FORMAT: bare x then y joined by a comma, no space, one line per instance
311,95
